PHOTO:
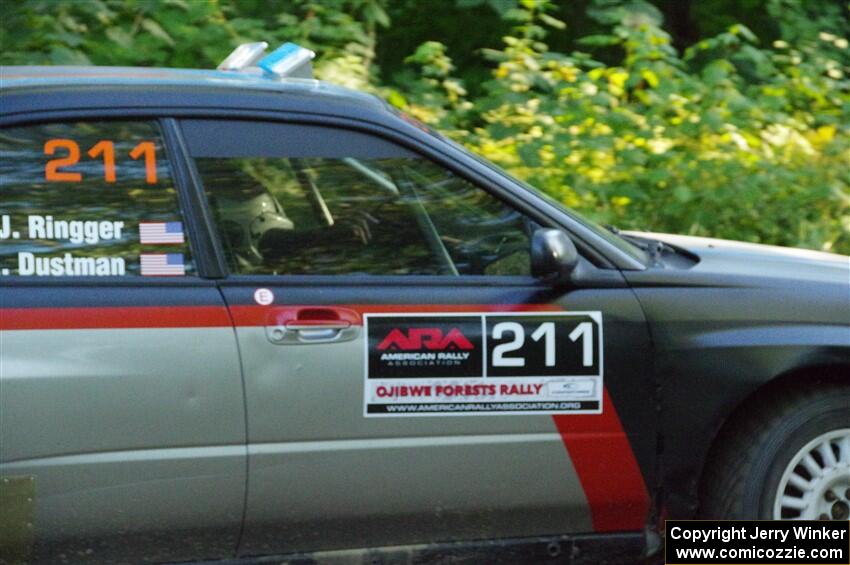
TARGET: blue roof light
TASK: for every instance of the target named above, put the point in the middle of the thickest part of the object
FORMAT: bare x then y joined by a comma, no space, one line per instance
289,60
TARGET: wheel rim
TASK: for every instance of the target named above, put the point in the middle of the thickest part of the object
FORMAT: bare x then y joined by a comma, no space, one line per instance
816,482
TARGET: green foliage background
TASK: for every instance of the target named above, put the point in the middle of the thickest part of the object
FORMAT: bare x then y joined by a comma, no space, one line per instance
667,116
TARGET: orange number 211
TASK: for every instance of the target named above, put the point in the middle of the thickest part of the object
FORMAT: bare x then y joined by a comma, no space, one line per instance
104,149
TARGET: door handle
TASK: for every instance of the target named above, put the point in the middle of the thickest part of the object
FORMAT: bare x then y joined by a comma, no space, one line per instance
317,331
306,325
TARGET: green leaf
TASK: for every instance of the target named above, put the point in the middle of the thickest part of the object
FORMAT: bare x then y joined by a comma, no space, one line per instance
181,4
155,30
377,14
599,40
552,22
120,37
743,31
397,99
61,55
650,77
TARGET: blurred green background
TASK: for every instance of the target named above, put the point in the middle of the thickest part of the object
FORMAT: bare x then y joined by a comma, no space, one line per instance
728,118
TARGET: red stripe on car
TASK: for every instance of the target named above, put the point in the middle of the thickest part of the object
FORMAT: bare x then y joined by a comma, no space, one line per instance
119,317
606,466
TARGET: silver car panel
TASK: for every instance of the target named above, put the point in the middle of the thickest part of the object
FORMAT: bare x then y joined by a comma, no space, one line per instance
134,438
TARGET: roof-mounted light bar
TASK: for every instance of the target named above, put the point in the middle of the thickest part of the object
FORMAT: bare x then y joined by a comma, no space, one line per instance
288,60
243,56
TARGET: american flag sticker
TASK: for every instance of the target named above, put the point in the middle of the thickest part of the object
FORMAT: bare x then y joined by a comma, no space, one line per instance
162,264
161,232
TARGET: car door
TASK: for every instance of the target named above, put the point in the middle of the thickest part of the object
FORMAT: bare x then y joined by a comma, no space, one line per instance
407,380
122,425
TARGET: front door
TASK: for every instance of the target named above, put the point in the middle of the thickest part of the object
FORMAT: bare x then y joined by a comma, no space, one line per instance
407,380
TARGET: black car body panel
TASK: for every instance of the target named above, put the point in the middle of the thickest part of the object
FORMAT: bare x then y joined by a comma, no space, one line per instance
742,318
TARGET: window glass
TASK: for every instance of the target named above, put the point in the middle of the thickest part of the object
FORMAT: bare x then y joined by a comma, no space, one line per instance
367,208
89,199
607,234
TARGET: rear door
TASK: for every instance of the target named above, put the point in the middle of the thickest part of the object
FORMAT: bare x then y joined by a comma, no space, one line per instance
122,424
407,380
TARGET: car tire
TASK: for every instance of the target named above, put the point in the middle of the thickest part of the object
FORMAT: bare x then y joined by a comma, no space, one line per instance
788,458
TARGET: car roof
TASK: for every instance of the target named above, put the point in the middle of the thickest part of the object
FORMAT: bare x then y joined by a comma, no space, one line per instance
18,78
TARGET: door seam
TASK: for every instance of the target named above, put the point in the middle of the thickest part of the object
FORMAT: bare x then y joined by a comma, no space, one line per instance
245,415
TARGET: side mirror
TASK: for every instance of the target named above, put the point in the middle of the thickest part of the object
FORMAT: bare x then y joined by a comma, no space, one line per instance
553,255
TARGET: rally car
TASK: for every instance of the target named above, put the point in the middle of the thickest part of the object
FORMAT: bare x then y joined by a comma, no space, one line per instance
245,314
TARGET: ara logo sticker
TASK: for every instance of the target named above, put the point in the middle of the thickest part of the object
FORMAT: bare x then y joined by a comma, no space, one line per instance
424,347
427,338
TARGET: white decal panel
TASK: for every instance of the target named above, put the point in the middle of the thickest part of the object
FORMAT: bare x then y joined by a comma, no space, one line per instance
494,363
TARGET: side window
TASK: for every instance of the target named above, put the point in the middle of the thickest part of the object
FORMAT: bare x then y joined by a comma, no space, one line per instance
89,199
293,199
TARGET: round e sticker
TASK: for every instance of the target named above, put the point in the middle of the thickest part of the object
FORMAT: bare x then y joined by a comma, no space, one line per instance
263,296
